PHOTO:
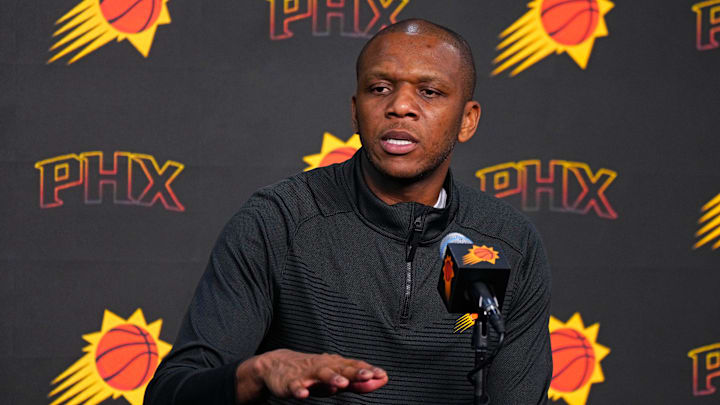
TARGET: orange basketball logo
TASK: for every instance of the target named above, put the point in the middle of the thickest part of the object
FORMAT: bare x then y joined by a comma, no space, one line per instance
92,24
338,155
478,254
552,26
333,150
126,357
573,360
131,16
120,360
569,22
576,359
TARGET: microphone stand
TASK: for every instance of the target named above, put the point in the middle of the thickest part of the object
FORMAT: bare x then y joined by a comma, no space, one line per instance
478,376
487,311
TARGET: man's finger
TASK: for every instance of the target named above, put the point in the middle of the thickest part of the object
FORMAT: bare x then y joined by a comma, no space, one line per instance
323,390
364,374
365,370
358,374
328,376
363,387
349,372
378,373
362,364
298,388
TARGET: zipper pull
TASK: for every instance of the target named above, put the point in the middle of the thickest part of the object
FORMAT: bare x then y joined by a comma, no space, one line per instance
417,224
414,239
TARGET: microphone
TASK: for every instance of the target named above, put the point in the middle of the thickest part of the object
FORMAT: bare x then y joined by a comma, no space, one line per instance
470,274
453,237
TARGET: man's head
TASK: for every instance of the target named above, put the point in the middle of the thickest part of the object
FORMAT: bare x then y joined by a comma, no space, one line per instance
415,82
423,27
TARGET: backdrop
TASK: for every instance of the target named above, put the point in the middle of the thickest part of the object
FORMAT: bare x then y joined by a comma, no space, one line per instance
133,129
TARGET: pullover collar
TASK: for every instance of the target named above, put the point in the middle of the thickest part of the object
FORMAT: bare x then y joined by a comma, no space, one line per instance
398,220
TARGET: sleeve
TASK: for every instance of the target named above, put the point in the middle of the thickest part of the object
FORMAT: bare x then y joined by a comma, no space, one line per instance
230,311
522,370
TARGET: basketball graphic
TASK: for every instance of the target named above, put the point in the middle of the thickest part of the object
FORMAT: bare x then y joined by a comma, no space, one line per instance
569,22
126,357
485,253
333,150
338,155
92,24
573,360
131,16
576,359
119,361
478,254
552,26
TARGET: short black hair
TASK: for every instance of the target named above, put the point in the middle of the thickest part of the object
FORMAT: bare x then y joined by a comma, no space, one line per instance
424,27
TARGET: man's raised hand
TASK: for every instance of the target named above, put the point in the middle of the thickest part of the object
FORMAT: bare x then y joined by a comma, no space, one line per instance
288,374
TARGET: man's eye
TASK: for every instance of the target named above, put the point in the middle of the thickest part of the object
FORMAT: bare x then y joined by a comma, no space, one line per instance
429,93
380,89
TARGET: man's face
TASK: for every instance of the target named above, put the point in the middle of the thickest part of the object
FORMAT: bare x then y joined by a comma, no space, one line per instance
409,104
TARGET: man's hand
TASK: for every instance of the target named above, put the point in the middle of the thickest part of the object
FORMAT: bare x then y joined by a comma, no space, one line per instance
288,374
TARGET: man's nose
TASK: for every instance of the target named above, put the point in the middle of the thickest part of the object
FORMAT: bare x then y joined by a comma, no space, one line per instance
402,103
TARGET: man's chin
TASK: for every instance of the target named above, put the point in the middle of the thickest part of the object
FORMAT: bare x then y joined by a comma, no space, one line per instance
402,173
399,169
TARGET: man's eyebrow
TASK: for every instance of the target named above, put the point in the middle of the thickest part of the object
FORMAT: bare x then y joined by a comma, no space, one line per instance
432,78
378,74
422,79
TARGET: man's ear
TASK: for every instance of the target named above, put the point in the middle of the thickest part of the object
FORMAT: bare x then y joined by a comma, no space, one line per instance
470,119
354,115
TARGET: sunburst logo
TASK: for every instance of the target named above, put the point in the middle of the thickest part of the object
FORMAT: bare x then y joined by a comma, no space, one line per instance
477,254
333,150
119,361
558,26
710,222
465,322
576,359
94,23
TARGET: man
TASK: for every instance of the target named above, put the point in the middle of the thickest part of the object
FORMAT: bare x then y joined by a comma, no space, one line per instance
344,260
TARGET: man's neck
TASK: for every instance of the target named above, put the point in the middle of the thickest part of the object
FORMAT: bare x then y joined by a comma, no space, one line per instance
391,191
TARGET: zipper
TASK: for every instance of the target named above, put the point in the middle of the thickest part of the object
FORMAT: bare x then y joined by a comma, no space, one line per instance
410,248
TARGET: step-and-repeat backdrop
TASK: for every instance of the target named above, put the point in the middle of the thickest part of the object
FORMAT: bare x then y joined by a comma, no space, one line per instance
131,130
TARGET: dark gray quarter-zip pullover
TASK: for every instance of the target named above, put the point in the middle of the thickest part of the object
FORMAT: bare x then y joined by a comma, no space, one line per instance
317,263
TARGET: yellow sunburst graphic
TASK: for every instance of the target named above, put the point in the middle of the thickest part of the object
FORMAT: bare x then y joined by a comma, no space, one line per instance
333,150
558,26
119,361
465,322
576,359
711,220
92,24
477,254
